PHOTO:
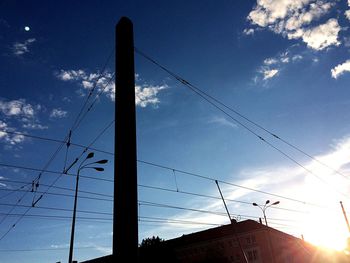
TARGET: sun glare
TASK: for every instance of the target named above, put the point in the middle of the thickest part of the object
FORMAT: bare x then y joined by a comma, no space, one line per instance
331,235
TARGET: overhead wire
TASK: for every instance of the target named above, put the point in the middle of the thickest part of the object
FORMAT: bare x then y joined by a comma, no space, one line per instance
181,171
157,188
67,139
178,170
210,100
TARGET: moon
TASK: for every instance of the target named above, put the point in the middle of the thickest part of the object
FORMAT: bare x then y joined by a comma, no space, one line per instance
27,28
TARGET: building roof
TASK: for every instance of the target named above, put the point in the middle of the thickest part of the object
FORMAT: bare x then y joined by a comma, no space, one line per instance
222,231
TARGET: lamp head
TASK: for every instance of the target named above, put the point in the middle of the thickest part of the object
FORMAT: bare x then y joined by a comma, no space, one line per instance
102,161
90,155
267,202
255,204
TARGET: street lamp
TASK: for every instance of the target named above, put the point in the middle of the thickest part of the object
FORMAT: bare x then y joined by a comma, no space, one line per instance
266,205
82,166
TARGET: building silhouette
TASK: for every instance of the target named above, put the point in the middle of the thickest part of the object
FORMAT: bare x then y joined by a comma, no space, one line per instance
223,244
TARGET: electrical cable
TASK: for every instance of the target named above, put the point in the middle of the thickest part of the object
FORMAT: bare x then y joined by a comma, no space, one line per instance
209,99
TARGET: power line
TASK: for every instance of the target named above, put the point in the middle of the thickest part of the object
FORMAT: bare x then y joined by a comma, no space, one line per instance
14,190
61,209
54,140
192,86
156,188
44,249
177,170
75,125
211,197
70,195
210,99
55,187
145,203
50,171
159,205
48,188
225,182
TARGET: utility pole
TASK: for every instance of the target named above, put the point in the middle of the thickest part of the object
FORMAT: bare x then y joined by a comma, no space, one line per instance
233,223
344,213
125,222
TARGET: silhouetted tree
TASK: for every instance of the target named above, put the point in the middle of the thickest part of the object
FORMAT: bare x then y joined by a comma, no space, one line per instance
151,242
155,250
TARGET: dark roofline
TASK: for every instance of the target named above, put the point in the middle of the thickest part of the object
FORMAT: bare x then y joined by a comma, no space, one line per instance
238,228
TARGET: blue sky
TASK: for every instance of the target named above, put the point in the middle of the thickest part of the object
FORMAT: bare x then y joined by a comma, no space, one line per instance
283,64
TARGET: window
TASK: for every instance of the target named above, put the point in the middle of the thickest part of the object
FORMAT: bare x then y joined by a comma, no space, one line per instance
252,255
251,239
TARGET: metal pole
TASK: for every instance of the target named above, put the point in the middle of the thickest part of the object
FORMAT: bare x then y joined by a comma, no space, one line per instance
125,222
73,219
265,217
233,223
223,200
344,213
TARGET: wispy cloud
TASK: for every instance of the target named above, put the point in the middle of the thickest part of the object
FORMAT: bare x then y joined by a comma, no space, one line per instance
17,108
34,126
340,69
103,250
58,113
145,94
288,181
248,31
222,121
272,66
19,48
26,114
11,139
269,73
18,114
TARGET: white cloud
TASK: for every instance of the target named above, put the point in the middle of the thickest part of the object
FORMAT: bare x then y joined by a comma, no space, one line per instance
144,94
103,250
297,57
322,36
34,126
347,14
340,69
293,182
22,48
292,18
17,108
60,245
249,31
273,65
6,137
147,95
285,59
71,75
23,112
58,113
270,61
270,73
222,121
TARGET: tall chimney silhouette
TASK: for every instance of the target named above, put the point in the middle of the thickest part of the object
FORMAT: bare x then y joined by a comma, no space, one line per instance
125,222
